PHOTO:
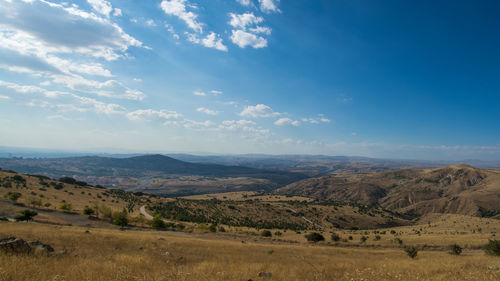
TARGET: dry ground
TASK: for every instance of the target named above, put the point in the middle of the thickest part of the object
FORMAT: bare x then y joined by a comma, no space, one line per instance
107,254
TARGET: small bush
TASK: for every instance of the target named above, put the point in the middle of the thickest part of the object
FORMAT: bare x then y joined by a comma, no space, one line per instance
26,215
377,238
65,206
455,250
120,218
363,239
335,237
266,233
13,196
314,237
88,211
212,228
492,248
278,233
158,222
411,251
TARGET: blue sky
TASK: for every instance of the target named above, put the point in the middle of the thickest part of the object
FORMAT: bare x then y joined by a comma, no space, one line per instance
367,78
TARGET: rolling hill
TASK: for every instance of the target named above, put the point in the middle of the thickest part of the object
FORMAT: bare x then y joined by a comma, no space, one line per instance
154,173
458,189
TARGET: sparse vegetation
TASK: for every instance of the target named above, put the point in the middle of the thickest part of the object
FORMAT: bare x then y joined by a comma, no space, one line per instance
314,237
455,249
411,251
120,219
266,233
492,248
26,215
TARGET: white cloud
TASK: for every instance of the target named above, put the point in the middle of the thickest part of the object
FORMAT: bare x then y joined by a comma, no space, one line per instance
38,49
212,40
268,6
109,88
244,35
103,7
199,93
2,97
261,29
215,92
117,12
244,39
150,115
286,121
244,2
321,119
178,8
171,29
207,111
249,129
29,89
33,32
259,110
310,120
150,22
243,20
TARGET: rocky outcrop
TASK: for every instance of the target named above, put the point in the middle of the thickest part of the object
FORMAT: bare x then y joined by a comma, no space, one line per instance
17,246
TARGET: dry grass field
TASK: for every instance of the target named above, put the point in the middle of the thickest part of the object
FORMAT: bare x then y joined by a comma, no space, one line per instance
107,254
246,195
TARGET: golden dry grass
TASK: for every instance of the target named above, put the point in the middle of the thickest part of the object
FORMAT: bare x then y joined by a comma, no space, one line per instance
107,254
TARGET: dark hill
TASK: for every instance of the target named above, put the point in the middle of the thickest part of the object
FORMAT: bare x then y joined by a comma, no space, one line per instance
139,166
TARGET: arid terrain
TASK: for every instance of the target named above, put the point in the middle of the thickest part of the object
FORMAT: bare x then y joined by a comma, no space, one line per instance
252,235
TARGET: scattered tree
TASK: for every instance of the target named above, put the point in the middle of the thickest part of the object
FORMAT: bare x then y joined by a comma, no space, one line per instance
266,233
120,218
26,215
335,237
411,251
88,211
315,237
492,248
157,222
455,249
13,196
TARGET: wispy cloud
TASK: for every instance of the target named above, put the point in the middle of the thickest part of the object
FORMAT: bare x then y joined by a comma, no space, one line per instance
207,111
259,110
286,121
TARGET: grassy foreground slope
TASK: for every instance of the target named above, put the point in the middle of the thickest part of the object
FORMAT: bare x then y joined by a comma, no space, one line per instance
106,254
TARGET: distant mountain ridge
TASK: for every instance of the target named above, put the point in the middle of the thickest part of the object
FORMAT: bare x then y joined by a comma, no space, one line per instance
459,189
139,168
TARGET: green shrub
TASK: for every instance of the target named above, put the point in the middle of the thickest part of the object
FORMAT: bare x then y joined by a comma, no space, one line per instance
492,248
212,228
278,233
158,222
120,218
26,215
363,239
411,251
65,206
88,211
455,249
13,196
266,233
314,237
